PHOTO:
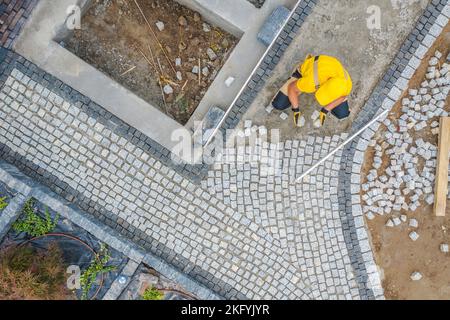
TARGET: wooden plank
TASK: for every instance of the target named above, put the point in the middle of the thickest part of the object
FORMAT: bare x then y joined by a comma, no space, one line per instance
441,188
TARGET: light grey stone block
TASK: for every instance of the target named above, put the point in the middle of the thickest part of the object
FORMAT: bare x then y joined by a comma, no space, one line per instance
413,236
413,223
273,25
416,276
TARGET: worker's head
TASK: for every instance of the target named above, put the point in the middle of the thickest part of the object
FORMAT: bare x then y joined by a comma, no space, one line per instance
342,111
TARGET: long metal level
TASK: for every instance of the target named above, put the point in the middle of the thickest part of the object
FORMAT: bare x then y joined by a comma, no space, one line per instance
307,172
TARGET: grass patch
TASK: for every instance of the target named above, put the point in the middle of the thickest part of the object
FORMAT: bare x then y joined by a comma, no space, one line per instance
33,224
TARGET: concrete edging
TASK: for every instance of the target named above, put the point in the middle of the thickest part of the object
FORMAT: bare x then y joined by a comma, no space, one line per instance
11,213
14,179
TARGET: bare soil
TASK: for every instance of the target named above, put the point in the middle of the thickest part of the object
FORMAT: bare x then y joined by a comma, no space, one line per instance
115,39
395,253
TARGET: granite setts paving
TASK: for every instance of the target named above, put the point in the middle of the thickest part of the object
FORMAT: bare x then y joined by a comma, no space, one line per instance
240,233
304,217
272,252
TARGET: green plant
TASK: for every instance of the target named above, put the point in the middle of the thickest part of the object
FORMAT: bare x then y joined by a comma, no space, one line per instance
152,293
33,224
96,268
3,203
27,273
183,104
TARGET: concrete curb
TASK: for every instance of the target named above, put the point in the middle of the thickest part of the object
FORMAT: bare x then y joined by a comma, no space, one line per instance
117,287
11,213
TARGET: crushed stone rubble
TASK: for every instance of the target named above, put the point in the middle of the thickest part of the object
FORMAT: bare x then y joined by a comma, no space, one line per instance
402,176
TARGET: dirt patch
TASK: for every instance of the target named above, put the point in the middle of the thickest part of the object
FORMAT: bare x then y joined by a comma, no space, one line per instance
396,254
116,40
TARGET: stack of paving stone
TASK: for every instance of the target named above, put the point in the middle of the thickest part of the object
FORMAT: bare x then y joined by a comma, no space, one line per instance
403,171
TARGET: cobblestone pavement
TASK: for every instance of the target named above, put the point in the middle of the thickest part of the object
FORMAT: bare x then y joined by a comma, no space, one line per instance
303,217
104,167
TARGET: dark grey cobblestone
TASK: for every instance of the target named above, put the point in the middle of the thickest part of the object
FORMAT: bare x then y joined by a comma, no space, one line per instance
13,15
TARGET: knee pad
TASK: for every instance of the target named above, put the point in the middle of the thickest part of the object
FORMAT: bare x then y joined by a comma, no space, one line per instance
342,111
281,102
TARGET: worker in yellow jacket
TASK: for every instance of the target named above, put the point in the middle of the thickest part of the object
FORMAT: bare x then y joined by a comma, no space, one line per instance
327,79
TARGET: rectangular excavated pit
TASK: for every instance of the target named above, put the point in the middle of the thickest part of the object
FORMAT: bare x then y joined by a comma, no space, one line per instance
42,35
115,39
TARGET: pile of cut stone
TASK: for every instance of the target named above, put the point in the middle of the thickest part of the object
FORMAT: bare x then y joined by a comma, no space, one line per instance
408,176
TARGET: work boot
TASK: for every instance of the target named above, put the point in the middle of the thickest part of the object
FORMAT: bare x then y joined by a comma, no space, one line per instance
323,116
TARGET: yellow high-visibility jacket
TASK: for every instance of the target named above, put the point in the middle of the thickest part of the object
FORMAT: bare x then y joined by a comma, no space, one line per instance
333,80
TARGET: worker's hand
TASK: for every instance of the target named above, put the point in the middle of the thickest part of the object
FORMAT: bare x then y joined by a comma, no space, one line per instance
297,116
323,116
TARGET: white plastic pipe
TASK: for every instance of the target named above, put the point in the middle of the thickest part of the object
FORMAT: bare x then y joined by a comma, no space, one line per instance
307,172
